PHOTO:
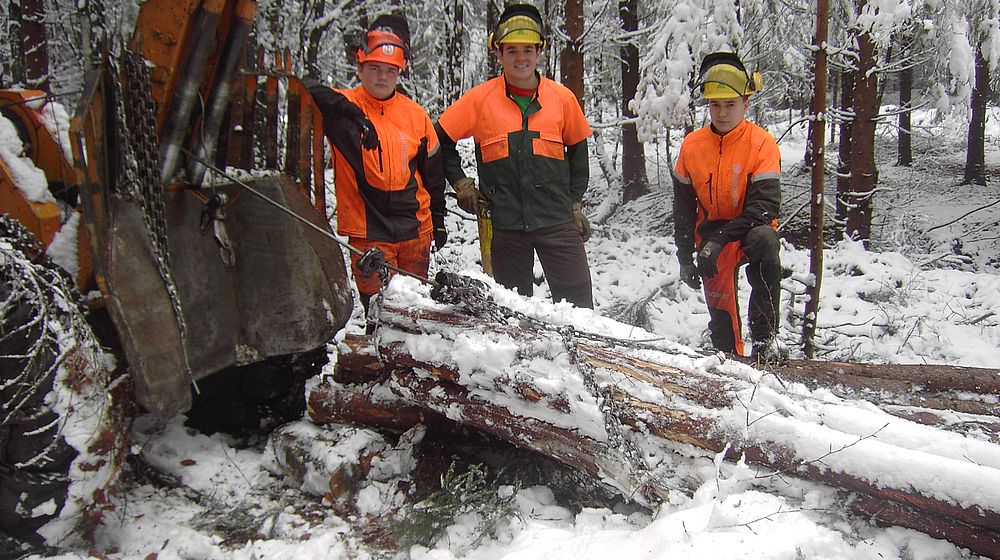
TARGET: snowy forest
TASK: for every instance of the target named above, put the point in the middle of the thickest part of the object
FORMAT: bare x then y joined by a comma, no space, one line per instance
632,64
635,439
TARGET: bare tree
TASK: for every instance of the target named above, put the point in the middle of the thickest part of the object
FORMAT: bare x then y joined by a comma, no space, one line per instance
904,150
984,38
450,77
633,154
30,54
14,67
858,198
492,19
316,28
817,158
975,156
93,33
571,57
846,111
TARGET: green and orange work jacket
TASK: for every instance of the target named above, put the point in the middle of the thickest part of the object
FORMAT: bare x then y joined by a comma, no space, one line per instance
532,164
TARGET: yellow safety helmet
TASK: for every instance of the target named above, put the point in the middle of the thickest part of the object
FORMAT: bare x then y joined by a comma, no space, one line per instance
723,76
519,24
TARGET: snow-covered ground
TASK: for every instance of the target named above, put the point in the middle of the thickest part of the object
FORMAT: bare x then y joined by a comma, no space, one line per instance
917,298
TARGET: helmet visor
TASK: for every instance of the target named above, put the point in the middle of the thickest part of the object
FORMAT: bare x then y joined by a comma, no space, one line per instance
725,81
518,30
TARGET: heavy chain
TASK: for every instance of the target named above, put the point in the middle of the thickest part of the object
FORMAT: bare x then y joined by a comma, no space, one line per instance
138,149
617,439
474,297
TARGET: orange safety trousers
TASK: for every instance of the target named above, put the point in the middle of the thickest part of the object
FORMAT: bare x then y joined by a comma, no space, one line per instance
758,249
720,293
412,255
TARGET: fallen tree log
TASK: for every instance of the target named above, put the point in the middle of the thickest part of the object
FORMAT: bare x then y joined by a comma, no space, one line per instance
916,392
608,408
960,389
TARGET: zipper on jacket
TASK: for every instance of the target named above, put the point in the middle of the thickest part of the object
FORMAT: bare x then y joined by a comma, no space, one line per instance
718,172
381,112
711,190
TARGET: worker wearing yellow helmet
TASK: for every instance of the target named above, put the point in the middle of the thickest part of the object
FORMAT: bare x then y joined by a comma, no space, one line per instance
531,154
727,193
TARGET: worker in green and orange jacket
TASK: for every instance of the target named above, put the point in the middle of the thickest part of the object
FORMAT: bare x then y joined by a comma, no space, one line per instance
531,154
386,159
727,193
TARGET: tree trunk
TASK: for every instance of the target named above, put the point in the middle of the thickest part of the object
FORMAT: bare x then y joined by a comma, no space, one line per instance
450,78
975,159
817,159
571,58
492,20
15,66
33,43
847,79
611,395
863,172
318,29
905,141
93,34
635,184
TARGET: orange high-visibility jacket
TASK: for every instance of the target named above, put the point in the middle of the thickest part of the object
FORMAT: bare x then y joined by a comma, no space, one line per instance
725,185
531,169
395,192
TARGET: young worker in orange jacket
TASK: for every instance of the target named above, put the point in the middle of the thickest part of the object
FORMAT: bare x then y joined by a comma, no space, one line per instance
386,159
727,193
531,154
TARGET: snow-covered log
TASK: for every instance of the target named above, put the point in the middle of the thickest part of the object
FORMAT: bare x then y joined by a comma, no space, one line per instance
953,398
540,377
937,387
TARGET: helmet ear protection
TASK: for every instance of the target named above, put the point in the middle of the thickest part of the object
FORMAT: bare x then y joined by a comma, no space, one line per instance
518,24
722,75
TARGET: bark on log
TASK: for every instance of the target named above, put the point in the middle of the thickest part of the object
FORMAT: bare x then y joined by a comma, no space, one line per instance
961,389
652,402
438,394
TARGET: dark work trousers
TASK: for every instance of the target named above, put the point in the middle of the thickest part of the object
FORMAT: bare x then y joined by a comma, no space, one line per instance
759,250
562,254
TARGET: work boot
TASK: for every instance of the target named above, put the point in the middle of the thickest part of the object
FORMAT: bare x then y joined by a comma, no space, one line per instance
769,351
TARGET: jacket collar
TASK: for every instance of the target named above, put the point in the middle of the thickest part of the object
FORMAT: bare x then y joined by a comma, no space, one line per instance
735,133
538,75
370,100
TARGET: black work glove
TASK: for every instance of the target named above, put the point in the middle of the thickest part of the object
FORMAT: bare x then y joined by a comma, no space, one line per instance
440,237
440,232
334,105
369,136
708,259
689,275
